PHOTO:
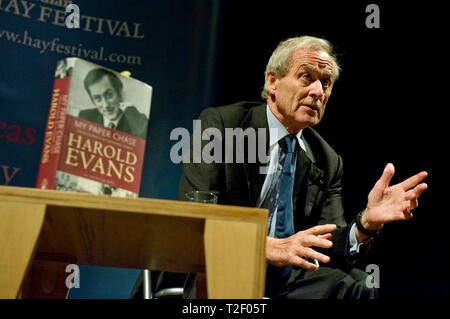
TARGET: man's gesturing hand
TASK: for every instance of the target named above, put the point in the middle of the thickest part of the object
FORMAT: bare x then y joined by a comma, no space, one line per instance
390,203
290,250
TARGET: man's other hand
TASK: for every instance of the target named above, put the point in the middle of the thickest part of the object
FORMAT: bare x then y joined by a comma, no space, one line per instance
391,203
290,250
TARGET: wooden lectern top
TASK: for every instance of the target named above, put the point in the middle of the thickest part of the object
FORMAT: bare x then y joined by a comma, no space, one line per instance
137,233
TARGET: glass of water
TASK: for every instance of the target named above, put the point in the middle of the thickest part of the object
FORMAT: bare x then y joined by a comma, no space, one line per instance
201,197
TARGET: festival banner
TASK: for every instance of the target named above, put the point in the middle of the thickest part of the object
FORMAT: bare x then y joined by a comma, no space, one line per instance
168,44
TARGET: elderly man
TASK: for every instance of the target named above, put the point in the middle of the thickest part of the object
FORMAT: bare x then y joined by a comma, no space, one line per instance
303,187
105,90
303,191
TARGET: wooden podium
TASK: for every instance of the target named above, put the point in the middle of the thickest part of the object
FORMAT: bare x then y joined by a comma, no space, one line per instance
47,230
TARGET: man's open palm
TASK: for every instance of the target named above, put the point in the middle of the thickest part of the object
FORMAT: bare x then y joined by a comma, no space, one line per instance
390,203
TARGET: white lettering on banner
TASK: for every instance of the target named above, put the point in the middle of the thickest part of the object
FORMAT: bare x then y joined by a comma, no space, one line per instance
57,17
55,46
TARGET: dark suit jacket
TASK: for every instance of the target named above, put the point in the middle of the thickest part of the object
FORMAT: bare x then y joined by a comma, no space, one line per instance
132,122
318,178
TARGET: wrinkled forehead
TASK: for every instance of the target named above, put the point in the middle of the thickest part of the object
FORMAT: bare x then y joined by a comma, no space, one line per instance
316,59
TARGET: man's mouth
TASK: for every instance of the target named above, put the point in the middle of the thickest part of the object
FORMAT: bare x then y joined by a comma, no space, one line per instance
311,107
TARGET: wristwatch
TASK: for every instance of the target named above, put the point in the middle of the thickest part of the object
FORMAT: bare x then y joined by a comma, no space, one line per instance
362,229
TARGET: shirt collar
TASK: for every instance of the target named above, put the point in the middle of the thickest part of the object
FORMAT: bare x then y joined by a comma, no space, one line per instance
280,131
115,122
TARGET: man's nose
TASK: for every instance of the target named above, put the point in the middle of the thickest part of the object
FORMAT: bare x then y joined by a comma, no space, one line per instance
103,102
316,89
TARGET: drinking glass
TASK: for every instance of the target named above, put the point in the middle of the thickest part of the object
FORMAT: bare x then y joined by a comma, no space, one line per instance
201,197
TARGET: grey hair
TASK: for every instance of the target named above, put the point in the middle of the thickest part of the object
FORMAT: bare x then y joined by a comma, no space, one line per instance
281,58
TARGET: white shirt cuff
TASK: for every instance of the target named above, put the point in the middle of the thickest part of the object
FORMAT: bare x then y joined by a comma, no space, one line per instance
354,245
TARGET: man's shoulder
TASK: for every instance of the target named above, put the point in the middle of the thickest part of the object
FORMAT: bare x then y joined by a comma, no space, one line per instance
132,111
89,113
133,122
233,115
318,144
239,107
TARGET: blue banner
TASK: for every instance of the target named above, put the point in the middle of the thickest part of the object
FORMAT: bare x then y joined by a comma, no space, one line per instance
170,45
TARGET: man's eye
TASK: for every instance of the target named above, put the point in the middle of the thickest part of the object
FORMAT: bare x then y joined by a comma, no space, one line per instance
306,76
326,83
108,94
97,98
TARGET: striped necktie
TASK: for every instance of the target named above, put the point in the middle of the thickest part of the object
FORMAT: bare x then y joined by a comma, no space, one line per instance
281,209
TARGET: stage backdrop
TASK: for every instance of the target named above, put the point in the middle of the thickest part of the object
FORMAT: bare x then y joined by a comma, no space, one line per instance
168,44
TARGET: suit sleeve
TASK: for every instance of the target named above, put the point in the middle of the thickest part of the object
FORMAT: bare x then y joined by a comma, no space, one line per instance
92,115
83,114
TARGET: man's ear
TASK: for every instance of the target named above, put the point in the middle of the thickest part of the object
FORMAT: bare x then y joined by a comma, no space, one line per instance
271,82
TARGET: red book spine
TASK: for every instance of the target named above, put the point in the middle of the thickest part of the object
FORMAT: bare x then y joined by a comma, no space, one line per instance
54,134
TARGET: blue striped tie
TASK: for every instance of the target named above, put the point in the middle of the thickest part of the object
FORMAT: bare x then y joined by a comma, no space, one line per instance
285,219
284,227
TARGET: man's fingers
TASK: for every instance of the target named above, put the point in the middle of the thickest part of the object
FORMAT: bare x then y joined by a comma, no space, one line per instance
407,215
321,229
414,180
414,193
300,262
326,236
413,204
317,241
311,253
386,177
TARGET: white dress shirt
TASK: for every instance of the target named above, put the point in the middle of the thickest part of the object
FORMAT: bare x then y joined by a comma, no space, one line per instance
277,132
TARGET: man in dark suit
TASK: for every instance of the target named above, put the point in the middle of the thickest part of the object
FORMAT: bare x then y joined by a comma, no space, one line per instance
105,90
298,82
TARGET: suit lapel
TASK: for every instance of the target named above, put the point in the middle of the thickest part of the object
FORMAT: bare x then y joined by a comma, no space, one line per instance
97,117
124,124
255,118
308,182
301,174
315,183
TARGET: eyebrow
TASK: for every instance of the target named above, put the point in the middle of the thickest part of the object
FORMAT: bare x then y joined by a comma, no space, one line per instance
105,91
311,68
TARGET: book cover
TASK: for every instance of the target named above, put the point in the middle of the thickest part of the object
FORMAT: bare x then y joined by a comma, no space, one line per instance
96,131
